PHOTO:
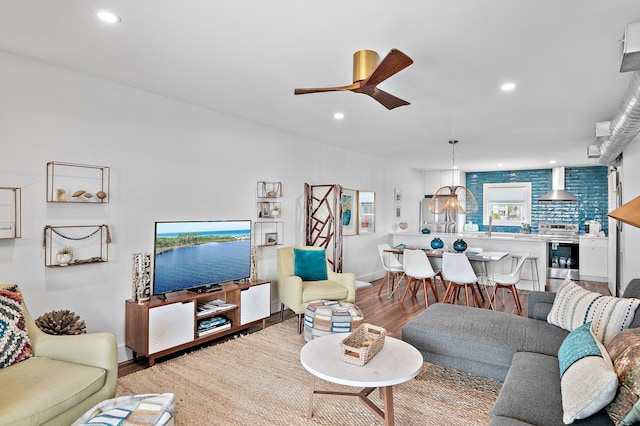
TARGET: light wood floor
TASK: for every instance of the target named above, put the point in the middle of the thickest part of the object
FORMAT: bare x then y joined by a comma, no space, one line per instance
386,311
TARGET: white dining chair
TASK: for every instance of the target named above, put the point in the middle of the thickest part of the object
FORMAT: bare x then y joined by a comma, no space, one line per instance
508,282
480,269
394,270
457,269
417,268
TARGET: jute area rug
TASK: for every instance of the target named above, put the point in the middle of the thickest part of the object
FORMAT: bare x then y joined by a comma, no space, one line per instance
257,379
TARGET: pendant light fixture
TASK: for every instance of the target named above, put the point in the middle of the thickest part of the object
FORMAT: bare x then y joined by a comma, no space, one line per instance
453,199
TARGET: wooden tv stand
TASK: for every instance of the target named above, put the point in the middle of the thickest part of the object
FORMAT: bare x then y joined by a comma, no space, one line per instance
160,327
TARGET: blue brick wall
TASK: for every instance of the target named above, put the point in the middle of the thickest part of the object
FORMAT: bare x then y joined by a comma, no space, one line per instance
588,184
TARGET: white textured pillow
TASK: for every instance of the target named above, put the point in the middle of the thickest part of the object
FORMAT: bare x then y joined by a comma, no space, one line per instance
575,306
590,383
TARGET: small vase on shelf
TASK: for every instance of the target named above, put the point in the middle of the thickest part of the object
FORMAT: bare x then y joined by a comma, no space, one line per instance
437,243
459,245
64,256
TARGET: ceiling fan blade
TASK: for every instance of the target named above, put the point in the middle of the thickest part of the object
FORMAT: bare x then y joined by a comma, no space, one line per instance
386,99
303,91
394,62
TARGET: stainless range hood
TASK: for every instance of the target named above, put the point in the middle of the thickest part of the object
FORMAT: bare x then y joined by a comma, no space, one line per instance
557,192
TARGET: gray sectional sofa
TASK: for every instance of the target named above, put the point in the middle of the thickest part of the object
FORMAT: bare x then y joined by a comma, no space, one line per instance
520,352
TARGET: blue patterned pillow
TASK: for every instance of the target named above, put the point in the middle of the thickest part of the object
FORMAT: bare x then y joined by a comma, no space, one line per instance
588,381
14,339
310,265
577,345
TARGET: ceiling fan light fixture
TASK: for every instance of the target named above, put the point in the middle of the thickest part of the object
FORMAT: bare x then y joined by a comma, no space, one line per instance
364,63
628,213
367,74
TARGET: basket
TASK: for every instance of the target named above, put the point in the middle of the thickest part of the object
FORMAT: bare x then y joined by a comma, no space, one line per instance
363,344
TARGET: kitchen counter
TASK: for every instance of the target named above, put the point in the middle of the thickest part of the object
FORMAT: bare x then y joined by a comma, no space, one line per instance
499,235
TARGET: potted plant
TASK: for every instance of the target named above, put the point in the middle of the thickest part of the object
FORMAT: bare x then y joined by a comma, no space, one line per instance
64,256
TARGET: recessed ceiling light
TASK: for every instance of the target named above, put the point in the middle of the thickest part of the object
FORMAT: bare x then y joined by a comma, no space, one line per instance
507,87
338,116
552,162
108,17
500,164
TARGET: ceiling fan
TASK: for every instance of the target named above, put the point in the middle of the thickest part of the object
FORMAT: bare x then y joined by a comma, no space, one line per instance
368,73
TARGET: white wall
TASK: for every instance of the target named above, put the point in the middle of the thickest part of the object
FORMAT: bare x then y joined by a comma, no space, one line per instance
169,161
630,237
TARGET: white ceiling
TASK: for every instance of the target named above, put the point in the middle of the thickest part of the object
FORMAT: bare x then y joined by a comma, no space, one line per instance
245,57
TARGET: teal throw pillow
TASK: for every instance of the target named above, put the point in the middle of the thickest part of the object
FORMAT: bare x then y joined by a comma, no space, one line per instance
588,381
577,345
310,265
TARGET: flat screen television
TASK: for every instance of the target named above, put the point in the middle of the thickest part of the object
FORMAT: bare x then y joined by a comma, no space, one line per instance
199,255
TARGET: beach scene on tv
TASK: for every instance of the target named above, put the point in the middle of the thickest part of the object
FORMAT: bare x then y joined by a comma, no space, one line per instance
193,254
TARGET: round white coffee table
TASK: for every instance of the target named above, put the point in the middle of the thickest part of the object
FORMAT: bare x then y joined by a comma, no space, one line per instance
397,362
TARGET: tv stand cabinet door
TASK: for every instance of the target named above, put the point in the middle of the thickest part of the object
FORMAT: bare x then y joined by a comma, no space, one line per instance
171,325
255,303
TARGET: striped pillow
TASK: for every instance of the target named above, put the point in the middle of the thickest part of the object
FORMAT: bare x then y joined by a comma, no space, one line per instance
575,306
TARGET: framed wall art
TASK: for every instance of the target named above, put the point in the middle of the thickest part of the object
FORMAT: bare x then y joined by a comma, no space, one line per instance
349,212
367,212
271,239
10,212
397,196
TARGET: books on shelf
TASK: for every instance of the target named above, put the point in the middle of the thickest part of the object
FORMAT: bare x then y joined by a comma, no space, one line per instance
213,306
213,325
214,330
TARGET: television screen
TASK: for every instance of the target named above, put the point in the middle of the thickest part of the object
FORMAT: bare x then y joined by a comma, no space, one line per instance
193,254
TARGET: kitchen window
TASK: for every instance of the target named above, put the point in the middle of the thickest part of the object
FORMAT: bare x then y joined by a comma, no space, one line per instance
509,204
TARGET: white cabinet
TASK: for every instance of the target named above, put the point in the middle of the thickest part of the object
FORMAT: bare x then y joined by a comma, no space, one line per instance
255,303
170,325
593,258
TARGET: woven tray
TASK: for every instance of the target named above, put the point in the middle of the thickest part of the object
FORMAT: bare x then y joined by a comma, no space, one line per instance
362,344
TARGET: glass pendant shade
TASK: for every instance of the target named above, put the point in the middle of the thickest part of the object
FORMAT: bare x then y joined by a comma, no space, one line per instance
453,199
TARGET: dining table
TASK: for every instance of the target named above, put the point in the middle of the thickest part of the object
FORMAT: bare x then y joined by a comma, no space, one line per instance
483,257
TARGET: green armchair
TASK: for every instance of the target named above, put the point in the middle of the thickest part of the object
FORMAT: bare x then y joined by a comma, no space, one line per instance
296,293
65,377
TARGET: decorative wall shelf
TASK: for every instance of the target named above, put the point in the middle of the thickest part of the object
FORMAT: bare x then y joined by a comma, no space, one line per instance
268,233
88,244
77,183
10,213
269,189
268,209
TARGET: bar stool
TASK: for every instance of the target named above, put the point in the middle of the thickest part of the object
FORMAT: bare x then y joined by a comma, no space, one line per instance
533,264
